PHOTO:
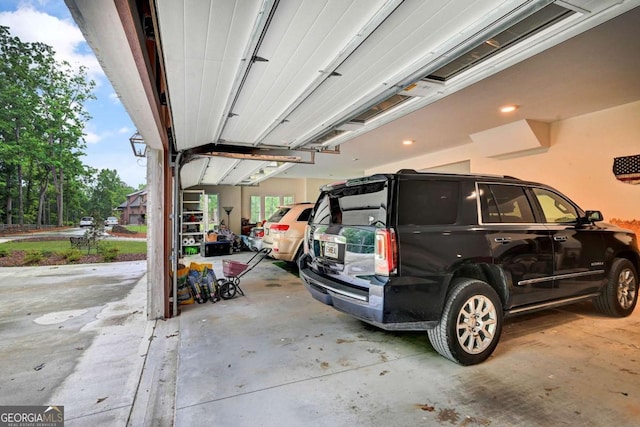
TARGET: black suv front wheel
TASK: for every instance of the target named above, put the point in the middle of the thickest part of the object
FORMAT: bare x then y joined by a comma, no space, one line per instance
620,295
471,323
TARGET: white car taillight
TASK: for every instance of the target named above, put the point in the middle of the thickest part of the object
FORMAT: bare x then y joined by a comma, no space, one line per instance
280,228
386,252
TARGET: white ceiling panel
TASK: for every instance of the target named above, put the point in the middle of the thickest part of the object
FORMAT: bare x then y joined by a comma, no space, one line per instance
203,45
217,169
377,47
243,170
300,43
416,33
191,173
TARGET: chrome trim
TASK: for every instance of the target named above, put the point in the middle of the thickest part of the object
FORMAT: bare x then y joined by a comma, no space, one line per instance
334,290
561,276
553,303
346,294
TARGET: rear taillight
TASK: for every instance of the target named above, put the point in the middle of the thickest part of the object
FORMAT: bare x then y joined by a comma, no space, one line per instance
279,227
259,233
386,254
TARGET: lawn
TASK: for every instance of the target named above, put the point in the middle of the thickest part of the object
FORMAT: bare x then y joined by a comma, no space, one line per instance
56,251
62,245
137,228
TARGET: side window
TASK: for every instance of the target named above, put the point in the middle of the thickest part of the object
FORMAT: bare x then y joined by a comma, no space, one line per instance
427,202
556,208
304,215
505,204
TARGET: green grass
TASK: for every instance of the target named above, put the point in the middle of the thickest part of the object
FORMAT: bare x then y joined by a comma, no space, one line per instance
137,228
60,246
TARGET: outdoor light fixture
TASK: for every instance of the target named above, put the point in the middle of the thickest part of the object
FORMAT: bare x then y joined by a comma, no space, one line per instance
138,145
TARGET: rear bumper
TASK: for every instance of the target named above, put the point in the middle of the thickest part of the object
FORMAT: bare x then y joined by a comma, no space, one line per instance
368,307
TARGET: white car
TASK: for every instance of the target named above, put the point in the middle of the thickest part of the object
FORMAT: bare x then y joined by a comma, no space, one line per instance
87,221
284,231
111,221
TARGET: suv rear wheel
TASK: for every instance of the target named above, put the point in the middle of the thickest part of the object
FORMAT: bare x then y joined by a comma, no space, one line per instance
620,295
471,323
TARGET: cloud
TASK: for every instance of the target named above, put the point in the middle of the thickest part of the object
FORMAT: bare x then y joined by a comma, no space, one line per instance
92,138
66,39
114,98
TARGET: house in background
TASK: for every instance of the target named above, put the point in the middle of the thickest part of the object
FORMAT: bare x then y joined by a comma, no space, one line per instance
134,210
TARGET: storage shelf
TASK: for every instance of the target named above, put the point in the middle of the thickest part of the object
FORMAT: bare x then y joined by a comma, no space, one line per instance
192,208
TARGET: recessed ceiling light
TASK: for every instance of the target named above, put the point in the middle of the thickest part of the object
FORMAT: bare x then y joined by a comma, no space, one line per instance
408,142
508,108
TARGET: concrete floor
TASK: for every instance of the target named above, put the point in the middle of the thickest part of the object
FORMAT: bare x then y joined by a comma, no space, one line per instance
278,357
78,336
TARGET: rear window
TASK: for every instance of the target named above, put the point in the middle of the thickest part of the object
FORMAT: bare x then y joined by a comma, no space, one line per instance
364,204
277,215
428,202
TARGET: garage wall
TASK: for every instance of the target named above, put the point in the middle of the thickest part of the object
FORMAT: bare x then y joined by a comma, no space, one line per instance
302,189
578,162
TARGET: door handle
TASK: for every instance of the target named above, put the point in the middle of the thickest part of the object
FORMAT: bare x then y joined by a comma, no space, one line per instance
560,238
502,239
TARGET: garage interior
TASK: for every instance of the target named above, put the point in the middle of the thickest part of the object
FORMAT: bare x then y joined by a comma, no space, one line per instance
243,98
249,97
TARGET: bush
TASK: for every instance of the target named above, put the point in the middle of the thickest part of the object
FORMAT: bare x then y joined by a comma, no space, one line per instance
4,252
109,253
72,255
32,257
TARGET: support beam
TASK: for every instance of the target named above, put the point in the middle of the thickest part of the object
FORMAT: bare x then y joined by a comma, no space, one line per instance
155,236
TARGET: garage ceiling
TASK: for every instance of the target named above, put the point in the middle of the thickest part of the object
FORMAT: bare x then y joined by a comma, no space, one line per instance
306,78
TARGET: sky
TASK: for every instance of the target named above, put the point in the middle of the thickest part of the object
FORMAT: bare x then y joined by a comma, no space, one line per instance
107,133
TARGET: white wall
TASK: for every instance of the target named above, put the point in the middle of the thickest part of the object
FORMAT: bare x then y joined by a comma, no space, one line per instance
302,190
578,162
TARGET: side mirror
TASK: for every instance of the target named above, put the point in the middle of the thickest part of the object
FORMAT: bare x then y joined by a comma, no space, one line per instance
593,216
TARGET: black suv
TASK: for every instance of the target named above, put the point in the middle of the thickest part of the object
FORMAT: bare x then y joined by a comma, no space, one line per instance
455,254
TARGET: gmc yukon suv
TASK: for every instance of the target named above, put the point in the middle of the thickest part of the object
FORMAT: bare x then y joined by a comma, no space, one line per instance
455,254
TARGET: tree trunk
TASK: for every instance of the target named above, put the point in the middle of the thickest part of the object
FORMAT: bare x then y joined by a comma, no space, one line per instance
43,191
20,197
9,199
20,193
58,184
61,199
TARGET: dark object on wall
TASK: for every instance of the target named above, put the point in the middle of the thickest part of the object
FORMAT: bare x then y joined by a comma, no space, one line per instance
627,169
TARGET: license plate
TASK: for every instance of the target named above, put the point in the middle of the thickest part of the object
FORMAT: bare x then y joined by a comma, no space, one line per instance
331,250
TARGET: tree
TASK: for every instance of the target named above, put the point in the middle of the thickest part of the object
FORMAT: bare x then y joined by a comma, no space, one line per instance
18,98
108,192
64,91
42,118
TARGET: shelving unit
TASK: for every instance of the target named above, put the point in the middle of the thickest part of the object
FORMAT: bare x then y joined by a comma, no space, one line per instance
192,221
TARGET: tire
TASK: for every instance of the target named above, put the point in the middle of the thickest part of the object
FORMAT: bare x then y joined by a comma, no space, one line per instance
298,256
619,297
228,290
458,340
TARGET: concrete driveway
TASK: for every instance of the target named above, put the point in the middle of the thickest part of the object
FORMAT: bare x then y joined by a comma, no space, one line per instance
74,336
